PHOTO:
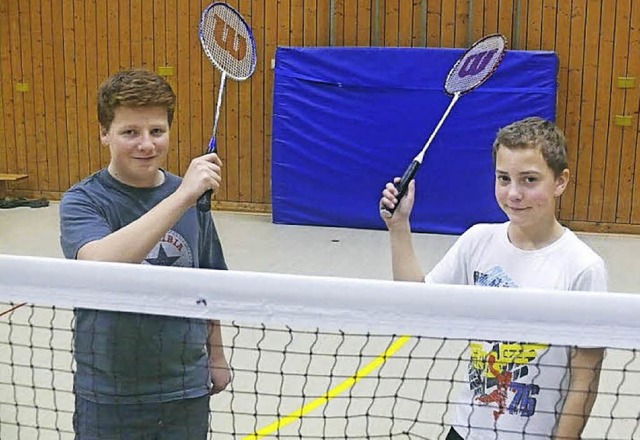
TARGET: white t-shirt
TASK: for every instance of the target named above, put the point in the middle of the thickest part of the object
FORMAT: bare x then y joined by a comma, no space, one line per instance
515,390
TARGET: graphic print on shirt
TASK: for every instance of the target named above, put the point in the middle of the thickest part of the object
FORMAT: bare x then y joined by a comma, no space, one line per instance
500,373
171,250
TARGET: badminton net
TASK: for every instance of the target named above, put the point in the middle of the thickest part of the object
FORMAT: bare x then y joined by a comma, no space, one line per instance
311,357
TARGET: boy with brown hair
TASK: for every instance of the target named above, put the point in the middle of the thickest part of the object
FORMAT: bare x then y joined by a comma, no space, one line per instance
552,397
141,375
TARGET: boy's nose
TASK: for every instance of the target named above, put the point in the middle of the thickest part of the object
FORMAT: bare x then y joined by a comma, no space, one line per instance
514,192
145,143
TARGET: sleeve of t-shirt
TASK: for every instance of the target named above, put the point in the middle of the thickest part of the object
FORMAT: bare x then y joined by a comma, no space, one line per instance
452,269
211,254
81,222
593,278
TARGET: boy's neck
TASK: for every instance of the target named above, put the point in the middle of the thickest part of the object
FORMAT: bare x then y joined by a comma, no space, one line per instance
536,237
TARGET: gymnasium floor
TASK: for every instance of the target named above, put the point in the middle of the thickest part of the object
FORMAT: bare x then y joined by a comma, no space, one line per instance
254,243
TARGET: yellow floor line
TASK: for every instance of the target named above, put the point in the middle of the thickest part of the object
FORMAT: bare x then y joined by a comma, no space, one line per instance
337,390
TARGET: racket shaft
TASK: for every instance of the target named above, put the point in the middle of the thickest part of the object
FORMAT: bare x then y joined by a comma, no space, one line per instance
204,202
403,184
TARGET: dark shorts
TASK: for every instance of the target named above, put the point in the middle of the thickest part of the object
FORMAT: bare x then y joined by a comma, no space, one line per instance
178,420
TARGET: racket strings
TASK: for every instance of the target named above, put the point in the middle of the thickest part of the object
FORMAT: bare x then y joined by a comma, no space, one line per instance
476,65
227,42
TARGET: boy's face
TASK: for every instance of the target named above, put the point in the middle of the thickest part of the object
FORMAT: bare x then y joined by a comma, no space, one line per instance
138,140
526,188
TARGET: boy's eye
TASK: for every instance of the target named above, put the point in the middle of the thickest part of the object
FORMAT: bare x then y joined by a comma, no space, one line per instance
530,179
128,133
503,178
157,132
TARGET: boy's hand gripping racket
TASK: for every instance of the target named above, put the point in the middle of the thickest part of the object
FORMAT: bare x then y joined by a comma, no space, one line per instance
473,68
228,42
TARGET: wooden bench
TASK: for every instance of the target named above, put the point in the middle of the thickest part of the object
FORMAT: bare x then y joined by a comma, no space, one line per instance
5,178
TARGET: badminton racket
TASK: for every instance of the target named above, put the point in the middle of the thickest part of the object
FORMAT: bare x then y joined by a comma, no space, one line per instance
472,69
228,42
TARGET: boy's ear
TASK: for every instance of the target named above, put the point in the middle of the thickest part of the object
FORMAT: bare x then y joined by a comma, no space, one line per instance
104,135
561,182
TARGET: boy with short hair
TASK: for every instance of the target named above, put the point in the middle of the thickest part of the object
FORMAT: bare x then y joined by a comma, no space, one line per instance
142,376
557,386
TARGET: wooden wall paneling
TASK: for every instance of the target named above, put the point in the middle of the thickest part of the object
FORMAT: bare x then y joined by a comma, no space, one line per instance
210,83
363,17
59,67
160,34
406,30
124,24
270,44
323,23
603,85
102,38
160,60
231,105
182,115
171,59
587,109
461,37
148,34
614,139
562,48
245,158
548,38
336,18
82,106
49,93
256,88
506,20
419,24
492,11
93,54
51,132
197,61
575,58
352,24
447,24
531,15
30,152
16,156
475,26
5,82
297,22
309,24
70,111
39,121
113,17
135,32
390,23
632,108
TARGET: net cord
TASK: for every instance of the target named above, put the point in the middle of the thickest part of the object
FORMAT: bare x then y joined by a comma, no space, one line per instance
589,319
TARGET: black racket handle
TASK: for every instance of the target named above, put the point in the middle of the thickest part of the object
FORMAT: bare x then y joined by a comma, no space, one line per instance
204,202
402,187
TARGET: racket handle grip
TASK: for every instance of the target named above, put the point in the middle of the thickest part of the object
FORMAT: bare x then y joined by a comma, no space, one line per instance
204,202
402,187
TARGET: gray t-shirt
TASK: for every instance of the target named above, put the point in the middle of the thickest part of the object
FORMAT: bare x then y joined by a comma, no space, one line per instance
127,357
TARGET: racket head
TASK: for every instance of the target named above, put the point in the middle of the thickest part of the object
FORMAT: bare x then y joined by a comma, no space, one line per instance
227,41
476,65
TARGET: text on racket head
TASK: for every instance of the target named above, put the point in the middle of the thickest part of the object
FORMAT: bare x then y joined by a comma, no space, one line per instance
476,65
227,41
